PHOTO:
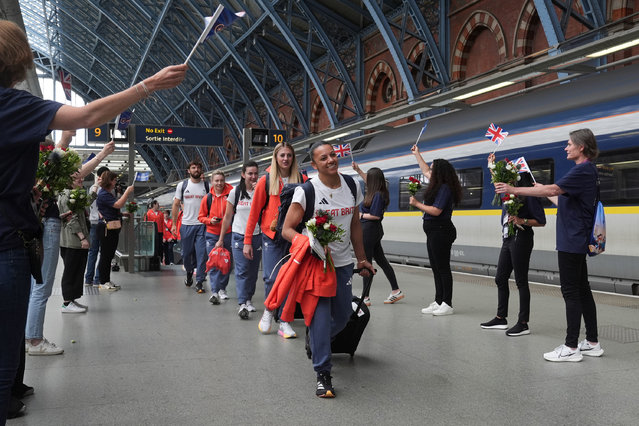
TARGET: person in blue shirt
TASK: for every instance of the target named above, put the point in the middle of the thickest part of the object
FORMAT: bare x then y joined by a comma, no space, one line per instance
26,120
371,215
574,195
442,194
515,255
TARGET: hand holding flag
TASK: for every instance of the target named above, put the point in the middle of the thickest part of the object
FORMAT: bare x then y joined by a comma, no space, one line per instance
422,131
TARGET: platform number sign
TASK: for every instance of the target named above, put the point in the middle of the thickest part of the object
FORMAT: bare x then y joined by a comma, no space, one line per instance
266,137
99,134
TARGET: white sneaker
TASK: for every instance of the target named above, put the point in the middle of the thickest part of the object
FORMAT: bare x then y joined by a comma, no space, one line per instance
286,331
81,305
223,294
443,309
109,286
44,348
564,354
265,323
430,308
586,348
243,312
72,308
215,298
249,306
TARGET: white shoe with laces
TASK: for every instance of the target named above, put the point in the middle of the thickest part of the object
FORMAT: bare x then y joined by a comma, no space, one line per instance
223,294
430,308
564,354
286,331
81,305
44,348
588,349
72,308
249,306
444,309
265,323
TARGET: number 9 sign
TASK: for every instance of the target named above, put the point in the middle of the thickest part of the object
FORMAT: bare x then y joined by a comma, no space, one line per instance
98,134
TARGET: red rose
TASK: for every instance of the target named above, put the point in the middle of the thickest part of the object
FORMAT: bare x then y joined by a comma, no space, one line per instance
333,228
506,160
320,220
412,179
506,197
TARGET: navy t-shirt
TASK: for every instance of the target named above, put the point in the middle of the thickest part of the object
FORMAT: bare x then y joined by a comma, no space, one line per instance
531,209
443,201
105,203
576,209
25,123
376,208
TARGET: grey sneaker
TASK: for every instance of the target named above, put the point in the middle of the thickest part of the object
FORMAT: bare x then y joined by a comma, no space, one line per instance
243,312
44,348
223,295
214,299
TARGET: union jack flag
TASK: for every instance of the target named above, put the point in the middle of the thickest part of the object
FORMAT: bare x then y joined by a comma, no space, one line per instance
343,150
65,80
496,134
523,166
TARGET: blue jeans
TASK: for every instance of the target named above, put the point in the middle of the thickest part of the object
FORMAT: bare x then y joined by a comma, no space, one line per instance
218,280
14,300
272,253
246,270
331,316
40,292
92,276
194,240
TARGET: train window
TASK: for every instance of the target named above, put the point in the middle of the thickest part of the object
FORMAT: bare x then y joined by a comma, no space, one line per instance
471,181
404,195
544,172
619,176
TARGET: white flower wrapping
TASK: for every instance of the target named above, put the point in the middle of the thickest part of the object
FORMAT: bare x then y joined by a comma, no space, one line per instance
315,245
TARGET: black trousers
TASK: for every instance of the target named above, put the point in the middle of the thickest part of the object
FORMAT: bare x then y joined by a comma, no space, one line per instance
373,233
515,255
439,241
75,262
573,277
108,244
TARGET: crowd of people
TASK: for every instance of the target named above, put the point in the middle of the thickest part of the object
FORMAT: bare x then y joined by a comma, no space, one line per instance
242,222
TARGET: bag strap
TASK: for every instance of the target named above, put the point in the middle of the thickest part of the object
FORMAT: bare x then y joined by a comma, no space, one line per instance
209,201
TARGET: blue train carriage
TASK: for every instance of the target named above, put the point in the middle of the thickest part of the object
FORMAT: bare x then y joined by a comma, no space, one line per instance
538,124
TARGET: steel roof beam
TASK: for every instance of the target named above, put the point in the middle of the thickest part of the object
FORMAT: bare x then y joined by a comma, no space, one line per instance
433,50
156,29
550,22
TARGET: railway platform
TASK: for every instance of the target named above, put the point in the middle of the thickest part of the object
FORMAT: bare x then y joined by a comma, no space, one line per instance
158,353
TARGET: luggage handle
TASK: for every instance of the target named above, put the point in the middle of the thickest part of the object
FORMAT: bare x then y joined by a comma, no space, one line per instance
366,290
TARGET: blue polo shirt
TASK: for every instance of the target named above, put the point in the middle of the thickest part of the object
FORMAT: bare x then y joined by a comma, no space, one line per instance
105,203
376,208
443,201
576,209
25,123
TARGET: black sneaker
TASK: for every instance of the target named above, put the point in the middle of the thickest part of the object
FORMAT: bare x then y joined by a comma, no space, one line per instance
16,408
22,390
520,329
198,287
189,280
243,312
324,385
496,323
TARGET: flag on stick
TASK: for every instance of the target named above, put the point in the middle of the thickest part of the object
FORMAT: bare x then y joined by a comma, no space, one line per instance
343,150
65,80
422,131
523,167
123,120
221,19
496,134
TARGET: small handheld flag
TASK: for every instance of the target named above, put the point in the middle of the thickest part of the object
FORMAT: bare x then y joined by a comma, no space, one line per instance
65,80
496,134
422,131
343,150
523,167
123,120
142,176
221,18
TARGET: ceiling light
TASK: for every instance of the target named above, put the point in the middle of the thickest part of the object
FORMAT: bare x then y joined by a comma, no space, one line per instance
614,49
340,135
484,90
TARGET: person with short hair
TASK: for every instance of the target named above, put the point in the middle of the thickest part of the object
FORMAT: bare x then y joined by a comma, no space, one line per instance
155,215
574,195
168,239
189,194
92,276
26,120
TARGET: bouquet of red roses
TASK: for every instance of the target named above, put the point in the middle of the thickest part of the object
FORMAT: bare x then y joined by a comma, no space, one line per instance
414,185
513,204
132,207
323,230
55,167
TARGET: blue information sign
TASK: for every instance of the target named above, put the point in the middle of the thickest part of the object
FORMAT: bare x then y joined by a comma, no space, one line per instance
184,136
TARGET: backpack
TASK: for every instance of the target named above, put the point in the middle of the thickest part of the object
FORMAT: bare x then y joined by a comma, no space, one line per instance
267,188
186,182
209,200
597,240
286,196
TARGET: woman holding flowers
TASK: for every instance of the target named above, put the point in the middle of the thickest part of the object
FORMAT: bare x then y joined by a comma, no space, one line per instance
26,120
371,215
266,202
574,195
74,244
333,197
442,194
517,245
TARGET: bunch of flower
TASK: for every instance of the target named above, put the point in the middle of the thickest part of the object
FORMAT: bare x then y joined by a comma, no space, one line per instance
131,207
55,167
513,204
414,185
503,171
325,231
79,200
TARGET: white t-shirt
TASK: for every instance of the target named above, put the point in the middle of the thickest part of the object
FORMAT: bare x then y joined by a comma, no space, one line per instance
338,203
193,195
242,211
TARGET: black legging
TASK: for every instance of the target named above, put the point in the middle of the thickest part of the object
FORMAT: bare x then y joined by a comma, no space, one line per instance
108,245
373,233
515,254
439,240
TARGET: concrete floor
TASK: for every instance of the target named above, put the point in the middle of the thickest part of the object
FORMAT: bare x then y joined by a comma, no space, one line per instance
158,353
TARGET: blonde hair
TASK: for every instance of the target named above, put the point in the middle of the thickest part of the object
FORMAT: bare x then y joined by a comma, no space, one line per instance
218,172
275,173
15,54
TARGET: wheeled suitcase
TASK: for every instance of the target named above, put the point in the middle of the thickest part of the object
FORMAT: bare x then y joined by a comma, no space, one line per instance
347,340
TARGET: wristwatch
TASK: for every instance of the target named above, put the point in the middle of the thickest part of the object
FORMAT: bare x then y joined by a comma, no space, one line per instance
525,221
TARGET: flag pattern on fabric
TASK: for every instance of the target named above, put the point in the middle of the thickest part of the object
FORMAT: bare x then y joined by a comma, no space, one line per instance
523,166
142,176
123,120
496,134
225,19
343,150
65,80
